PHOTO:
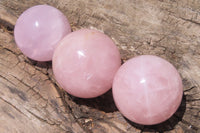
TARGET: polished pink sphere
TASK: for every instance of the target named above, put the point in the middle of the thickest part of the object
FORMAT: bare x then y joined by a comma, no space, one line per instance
85,63
147,89
38,30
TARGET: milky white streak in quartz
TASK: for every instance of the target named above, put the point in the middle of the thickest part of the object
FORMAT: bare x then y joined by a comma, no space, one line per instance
147,89
85,63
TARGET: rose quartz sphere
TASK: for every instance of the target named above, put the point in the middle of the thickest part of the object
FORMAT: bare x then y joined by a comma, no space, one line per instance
38,30
147,89
85,63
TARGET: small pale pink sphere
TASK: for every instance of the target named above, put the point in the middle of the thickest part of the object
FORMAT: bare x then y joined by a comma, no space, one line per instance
147,89
38,30
85,63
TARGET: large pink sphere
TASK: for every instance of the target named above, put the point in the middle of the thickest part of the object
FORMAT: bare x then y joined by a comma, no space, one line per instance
147,89
85,63
38,30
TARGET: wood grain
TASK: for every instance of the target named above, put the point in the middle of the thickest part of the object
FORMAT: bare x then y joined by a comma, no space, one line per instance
32,102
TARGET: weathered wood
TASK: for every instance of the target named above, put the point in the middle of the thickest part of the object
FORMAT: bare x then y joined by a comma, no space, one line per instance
32,102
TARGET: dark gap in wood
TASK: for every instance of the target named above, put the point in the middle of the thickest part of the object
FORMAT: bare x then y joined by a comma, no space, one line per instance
104,102
8,26
62,94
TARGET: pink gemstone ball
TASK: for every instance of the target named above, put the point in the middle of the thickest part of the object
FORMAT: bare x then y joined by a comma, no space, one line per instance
147,89
38,30
85,63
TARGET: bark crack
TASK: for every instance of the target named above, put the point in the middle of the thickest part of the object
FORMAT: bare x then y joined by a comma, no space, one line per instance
6,26
65,104
13,106
191,21
46,121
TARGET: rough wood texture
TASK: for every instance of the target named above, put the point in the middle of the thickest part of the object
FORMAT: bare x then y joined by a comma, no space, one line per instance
32,102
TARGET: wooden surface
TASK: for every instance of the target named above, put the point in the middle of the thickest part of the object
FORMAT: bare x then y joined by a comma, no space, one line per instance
32,102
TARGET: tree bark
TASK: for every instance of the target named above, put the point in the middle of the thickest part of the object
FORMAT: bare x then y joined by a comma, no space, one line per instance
32,102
